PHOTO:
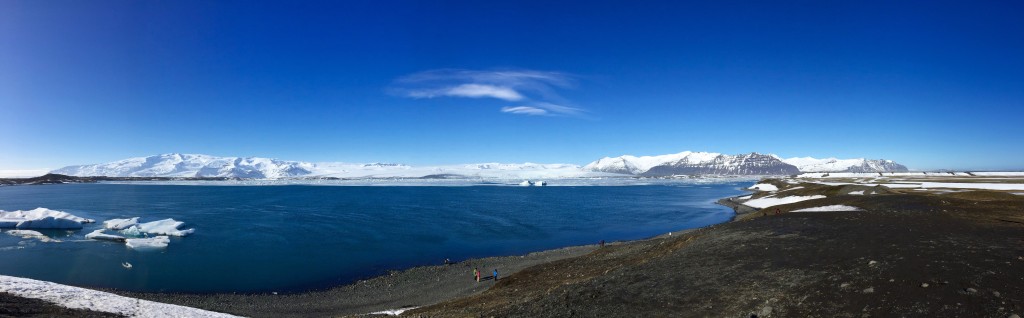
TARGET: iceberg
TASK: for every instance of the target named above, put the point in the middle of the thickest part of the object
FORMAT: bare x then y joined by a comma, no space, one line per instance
164,227
99,235
132,231
30,234
149,243
49,222
41,218
120,224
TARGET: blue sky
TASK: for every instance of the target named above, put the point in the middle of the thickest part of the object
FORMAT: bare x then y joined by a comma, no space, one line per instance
931,84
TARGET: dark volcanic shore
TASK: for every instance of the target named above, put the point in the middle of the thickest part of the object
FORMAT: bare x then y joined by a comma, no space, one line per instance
923,255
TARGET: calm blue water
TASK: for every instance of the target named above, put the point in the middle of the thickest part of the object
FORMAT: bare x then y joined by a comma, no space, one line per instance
290,238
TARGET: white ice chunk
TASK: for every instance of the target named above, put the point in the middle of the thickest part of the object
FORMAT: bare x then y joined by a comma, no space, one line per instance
861,192
767,202
120,224
99,235
81,298
165,227
41,218
830,208
30,234
149,243
49,222
132,231
764,187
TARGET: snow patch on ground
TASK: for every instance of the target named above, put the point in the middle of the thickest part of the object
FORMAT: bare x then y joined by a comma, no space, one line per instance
764,187
830,208
934,185
767,202
861,192
81,298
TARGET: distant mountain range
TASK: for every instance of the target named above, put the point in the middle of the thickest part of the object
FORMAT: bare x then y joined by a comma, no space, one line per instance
684,163
709,163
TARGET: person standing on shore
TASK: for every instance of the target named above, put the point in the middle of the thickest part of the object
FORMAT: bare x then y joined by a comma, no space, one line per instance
495,274
476,274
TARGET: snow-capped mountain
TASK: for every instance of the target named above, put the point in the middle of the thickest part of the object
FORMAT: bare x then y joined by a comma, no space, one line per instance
808,164
637,165
192,165
742,165
709,163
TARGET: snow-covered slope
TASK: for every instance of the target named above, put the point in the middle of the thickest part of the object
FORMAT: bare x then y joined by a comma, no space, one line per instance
808,164
636,165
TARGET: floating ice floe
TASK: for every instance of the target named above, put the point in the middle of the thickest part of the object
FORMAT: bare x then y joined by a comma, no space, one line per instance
764,187
767,202
164,227
149,243
120,224
81,298
30,234
99,235
41,218
830,208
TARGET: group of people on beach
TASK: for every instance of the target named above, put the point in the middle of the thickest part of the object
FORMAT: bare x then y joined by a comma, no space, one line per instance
476,274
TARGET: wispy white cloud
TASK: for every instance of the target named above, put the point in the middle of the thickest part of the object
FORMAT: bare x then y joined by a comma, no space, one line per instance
536,89
471,91
524,110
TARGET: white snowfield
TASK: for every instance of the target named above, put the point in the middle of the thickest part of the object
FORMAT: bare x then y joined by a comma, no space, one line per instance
830,208
81,298
819,175
772,201
41,218
764,187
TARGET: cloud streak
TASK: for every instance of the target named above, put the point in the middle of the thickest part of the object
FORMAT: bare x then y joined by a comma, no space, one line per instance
470,91
535,90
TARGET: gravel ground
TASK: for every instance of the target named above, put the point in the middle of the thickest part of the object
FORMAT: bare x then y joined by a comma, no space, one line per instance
414,287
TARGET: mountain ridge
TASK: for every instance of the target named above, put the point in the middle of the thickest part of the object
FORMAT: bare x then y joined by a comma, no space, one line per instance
687,163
